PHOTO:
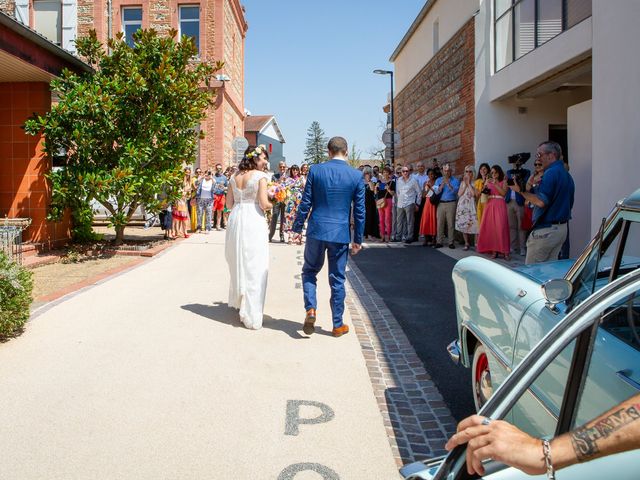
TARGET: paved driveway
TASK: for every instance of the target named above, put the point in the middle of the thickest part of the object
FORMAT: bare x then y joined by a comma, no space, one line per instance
149,375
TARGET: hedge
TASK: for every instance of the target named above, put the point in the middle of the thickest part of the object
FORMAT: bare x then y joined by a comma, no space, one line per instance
16,286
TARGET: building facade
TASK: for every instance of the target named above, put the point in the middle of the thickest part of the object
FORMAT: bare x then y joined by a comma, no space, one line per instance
217,26
264,130
28,63
542,69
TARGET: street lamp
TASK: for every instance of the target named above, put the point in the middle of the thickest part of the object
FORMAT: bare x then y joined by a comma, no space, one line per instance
393,126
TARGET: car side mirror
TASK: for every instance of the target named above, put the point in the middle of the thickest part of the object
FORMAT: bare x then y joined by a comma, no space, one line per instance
556,291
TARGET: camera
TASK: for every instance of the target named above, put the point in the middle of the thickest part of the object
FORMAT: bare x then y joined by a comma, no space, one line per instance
522,157
510,182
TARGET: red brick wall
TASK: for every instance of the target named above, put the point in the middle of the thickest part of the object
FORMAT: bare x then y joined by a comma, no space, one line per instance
222,34
24,191
434,113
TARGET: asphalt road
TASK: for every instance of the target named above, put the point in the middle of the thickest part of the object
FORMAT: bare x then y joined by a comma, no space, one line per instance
416,285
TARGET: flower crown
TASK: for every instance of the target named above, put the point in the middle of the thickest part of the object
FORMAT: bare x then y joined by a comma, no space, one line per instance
255,153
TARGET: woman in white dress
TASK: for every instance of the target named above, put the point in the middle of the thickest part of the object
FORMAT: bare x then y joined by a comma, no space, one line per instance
247,237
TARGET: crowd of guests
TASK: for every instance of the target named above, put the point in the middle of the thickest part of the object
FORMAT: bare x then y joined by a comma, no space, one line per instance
499,212
202,203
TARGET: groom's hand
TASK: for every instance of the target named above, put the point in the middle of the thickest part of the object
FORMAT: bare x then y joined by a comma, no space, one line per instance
355,248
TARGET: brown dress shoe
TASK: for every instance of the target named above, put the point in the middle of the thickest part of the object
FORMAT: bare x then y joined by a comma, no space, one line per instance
339,331
309,322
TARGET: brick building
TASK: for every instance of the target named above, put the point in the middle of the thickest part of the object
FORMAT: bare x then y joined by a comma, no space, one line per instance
28,63
434,100
218,27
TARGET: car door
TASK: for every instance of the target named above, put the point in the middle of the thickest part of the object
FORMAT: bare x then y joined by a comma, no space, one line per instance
582,338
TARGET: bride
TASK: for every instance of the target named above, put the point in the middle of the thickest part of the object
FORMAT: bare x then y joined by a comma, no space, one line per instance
247,242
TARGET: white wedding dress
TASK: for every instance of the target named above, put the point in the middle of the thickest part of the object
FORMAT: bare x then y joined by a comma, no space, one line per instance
247,252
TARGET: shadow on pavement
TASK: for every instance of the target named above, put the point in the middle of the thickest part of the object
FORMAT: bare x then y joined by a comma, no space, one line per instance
223,313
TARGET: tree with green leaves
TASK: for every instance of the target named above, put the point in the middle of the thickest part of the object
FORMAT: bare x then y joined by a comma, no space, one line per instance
354,156
125,131
316,146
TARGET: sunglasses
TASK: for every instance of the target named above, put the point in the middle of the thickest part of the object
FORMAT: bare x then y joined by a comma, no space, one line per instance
537,164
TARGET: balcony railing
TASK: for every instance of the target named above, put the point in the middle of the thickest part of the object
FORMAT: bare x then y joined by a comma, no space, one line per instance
523,25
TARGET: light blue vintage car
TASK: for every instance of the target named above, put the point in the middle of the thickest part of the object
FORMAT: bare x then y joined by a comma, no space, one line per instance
503,313
586,364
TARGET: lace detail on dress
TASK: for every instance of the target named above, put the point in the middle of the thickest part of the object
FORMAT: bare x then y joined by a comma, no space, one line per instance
249,194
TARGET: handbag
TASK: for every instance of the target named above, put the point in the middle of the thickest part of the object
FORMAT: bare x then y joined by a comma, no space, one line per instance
435,198
526,223
381,202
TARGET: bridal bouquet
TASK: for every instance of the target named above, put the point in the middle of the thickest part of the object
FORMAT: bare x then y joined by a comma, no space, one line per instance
277,192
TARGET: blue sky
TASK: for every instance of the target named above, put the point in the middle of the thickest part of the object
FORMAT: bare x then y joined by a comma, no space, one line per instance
307,60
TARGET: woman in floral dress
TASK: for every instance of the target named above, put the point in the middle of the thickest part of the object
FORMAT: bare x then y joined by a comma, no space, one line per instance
295,186
466,217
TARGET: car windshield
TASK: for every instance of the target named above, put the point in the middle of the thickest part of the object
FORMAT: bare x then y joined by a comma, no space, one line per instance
619,255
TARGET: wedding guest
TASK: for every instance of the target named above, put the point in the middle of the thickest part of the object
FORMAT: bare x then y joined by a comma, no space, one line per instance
295,185
409,194
515,206
481,198
436,167
466,216
494,229
384,190
205,195
553,202
277,214
395,237
220,191
193,202
428,221
375,173
371,225
304,171
179,212
421,177
447,187
530,187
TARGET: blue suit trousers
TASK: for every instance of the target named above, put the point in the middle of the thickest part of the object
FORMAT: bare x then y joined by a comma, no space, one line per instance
314,254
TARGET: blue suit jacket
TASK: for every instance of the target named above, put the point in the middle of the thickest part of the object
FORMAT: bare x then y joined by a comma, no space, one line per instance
331,189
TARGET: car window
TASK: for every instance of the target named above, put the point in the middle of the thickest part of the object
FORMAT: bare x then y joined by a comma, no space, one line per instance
595,273
613,372
631,253
537,410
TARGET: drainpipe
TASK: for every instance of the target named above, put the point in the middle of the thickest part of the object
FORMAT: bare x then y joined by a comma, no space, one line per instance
109,22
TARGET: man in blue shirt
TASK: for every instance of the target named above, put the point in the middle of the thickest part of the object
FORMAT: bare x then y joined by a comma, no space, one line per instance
446,213
515,204
553,202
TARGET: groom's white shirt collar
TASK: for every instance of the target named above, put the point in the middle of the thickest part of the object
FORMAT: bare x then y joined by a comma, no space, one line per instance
339,159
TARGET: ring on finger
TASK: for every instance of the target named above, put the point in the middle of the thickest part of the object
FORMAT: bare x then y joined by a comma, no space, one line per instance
486,421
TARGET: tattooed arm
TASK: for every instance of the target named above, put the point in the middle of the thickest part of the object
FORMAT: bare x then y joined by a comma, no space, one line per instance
617,430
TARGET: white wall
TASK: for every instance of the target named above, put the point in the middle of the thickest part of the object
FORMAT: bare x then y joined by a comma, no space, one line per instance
500,129
616,105
451,15
579,120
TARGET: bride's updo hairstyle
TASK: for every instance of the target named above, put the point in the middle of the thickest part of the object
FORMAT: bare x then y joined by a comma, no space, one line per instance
251,154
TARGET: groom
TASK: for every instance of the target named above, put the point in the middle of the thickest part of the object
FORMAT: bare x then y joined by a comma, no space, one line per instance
331,188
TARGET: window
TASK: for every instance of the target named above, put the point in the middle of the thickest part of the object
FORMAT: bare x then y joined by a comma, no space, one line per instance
522,25
47,19
131,23
619,254
190,23
613,372
436,36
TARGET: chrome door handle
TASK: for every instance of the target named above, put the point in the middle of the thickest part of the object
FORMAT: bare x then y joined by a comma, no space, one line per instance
622,375
522,293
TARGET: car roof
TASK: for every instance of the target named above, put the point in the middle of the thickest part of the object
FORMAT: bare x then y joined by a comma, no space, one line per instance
632,201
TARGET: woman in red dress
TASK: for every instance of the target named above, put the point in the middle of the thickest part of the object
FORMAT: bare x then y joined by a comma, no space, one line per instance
428,221
494,228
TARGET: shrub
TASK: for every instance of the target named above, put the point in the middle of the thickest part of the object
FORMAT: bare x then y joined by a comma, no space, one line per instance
16,286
